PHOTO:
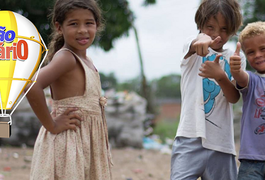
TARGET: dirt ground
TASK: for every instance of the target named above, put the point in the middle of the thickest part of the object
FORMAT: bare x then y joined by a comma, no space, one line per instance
129,164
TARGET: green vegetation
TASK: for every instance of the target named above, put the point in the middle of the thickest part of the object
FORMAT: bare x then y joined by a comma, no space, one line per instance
118,17
167,86
166,128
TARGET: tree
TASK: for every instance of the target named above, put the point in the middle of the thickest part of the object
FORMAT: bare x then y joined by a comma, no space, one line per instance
117,14
167,86
130,85
36,11
144,87
253,11
108,81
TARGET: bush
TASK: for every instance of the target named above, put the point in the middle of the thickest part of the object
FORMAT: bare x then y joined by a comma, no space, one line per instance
166,129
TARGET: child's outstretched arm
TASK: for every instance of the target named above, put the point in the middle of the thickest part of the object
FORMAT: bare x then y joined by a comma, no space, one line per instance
201,44
36,97
212,69
237,72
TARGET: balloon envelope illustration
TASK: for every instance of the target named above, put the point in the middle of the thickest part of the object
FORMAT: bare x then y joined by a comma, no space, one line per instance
21,49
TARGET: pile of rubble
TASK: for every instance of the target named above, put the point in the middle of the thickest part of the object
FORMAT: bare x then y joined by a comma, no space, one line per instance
125,114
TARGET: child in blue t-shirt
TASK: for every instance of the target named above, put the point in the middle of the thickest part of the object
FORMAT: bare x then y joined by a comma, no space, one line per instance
204,144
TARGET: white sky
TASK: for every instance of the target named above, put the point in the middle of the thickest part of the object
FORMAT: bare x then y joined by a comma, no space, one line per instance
162,30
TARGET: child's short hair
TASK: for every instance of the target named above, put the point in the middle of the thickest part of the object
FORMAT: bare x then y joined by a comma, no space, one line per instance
230,9
251,30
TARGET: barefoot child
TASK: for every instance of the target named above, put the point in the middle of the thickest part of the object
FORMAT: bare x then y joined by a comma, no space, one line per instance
252,87
204,144
73,141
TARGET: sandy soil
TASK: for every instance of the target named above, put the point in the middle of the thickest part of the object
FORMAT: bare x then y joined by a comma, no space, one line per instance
130,164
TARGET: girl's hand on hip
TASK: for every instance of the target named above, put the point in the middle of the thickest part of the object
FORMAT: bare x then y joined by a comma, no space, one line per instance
67,120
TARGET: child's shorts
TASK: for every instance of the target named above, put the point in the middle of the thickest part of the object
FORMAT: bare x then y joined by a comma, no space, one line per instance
190,161
251,169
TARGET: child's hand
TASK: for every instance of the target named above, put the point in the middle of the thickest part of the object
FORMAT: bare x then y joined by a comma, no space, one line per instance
203,42
212,69
235,60
68,120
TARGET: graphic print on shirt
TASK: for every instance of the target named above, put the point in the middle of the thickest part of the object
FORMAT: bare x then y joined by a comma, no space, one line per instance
211,89
260,114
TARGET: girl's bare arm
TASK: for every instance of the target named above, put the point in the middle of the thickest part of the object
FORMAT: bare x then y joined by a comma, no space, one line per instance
61,64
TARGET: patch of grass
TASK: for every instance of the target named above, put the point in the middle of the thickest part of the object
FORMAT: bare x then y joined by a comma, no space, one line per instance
166,128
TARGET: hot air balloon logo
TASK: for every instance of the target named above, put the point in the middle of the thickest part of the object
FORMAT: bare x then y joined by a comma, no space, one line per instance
21,51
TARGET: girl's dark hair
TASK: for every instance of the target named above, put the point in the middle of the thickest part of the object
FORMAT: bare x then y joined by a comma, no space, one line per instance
230,9
58,14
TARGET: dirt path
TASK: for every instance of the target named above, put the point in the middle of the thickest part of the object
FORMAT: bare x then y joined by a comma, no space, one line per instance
130,164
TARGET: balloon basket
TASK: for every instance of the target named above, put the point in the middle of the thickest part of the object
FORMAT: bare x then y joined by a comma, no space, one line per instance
5,126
